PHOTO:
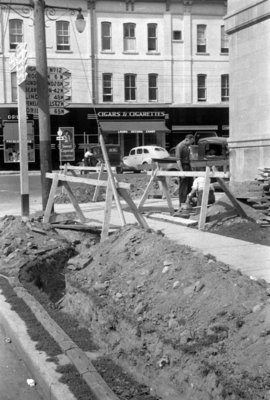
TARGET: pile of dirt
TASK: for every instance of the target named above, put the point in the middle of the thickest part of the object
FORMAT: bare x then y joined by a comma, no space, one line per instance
186,325
180,322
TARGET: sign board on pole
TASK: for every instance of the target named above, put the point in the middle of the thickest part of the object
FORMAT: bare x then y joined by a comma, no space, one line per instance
67,149
21,59
58,86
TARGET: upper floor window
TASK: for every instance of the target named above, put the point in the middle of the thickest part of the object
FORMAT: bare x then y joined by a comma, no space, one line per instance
152,87
15,33
224,45
201,38
152,37
201,87
225,87
14,92
107,87
177,35
129,37
106,36
130,87
62,35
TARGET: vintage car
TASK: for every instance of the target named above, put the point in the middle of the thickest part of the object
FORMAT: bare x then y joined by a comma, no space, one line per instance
113,151
142,157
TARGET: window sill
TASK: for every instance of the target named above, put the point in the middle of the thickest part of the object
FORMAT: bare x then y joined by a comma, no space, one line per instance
224,54
131,52
202,54
177,41
107,52
64,51
153,53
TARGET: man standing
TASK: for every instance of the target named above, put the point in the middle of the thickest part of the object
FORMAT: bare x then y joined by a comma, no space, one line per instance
182,153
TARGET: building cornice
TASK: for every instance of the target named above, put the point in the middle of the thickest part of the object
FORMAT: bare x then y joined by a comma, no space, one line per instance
246,17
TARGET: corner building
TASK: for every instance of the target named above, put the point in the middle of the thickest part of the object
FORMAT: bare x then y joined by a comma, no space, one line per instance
144,72
248,28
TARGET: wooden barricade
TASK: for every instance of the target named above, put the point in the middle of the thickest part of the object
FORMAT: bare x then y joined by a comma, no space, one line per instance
160,176
121,190
100,169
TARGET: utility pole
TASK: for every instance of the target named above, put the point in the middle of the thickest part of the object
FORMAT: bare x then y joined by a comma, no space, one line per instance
43,99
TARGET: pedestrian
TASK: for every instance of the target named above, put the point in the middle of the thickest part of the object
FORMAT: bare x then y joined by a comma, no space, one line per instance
197,192
182,153
89,159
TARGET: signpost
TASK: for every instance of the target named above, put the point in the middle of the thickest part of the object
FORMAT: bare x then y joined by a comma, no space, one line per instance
60,138
58,87
21,67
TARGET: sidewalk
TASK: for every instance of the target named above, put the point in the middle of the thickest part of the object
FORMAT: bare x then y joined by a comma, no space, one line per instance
251,259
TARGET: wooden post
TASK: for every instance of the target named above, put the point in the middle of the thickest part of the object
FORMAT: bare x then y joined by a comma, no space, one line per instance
111,177
204,199
107,212
97,188
23,148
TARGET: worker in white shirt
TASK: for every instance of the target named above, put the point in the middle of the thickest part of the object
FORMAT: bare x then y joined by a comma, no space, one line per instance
197,192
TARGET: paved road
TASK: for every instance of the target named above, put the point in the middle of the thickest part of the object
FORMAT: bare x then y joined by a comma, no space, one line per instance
14,373
10,195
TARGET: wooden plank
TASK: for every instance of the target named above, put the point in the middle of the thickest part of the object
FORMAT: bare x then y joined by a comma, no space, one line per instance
205,196
97,189
74,202
233,200
165,190
123,193
107,212
49,205
111,178
212,174
87,181
173,220
148,188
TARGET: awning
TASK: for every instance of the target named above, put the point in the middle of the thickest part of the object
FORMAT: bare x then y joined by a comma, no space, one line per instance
131,126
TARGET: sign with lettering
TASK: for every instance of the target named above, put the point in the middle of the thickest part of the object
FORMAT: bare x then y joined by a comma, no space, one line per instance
66,145
21,61
58,87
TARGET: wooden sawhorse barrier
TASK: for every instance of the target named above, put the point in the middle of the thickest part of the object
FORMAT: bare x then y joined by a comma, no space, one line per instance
121,188
100,169
160,177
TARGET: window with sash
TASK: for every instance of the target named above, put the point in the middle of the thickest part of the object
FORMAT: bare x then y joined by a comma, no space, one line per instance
130,87
62,36
152,87
106,36
201,87
152,37
14,93
107,88
224,45
201,38
15,33
225,87
129,37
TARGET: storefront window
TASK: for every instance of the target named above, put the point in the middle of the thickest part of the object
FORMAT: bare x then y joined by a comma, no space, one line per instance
11,141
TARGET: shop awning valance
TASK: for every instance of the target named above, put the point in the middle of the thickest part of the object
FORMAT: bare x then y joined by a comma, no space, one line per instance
131,126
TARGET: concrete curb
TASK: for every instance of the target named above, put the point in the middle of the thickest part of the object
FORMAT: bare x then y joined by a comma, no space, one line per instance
41,369
43,372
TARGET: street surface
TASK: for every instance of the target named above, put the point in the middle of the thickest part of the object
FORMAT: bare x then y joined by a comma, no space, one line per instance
14,373
10,196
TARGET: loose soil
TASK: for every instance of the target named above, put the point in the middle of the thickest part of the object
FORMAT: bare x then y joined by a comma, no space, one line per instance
182,324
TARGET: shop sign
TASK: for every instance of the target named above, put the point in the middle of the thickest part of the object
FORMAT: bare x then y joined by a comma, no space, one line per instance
128,114
66,144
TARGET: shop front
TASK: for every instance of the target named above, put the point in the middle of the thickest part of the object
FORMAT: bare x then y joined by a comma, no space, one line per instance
134,132
126,126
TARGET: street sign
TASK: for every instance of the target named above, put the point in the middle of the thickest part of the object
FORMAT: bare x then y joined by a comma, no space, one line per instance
21,59
60,138
58,86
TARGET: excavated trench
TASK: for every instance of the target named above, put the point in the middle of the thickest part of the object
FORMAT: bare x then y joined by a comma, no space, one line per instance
45,279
